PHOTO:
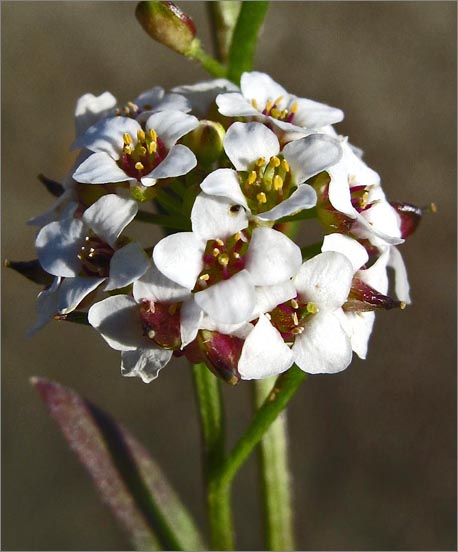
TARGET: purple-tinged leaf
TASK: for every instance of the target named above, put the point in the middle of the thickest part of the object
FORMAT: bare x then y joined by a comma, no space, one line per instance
127,478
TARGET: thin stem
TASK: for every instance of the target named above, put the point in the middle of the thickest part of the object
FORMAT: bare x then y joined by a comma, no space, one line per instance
278,398
208,62
208,392
223,17
275,476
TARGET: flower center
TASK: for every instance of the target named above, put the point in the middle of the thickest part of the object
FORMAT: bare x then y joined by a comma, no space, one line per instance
140,159
161,323
267,184
95,256
290,318
273,109
222,259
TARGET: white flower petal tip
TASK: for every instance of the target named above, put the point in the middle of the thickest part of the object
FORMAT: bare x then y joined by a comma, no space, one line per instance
127,265
352,249
144,363
217,217
245,143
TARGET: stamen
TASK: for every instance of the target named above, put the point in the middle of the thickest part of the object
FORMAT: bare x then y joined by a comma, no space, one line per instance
132,106
294,304
278,100
142,150
295,319
139,166
293,109
117,111
219,242
204,277
267,315
236,255
275,113
151,334
433,208
274,161
127,150
251,178
127,138
223,259
254,103
278,182
269,105
402,305
152,147
312,308
297,330
141,135
216,252
285,165
261,197
364,200
261,162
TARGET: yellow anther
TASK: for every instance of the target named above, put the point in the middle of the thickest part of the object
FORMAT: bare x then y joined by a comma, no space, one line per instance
261,197
152,134
295,319
433,208
254,103
172,308
141,135
267,315
125,110
216,252
127,150
117,111
251,177
219,242
312,308
274,161
402,305
364,200
275,113
278,182
285,165
132,106
284,114
278,100
297,330
127,138
139,166
236,255
204,277
237,237
142,150
269,105
293,109
294,304
152,147
151,334
223,259
261,162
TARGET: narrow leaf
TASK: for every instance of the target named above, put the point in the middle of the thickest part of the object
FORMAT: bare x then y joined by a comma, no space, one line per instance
129,481
244,39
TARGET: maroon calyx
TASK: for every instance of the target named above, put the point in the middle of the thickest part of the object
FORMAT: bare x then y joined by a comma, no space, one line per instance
364,298
221,353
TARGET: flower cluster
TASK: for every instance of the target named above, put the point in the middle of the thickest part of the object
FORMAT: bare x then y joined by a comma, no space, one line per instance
228,173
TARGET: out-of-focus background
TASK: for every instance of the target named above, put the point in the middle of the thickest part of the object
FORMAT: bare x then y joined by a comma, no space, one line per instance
373,449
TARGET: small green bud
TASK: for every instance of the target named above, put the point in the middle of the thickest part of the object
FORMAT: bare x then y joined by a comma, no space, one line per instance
166,23
206,141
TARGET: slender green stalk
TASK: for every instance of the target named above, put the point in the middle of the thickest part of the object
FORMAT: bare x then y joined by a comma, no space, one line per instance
208,62
212,426
278,398
275,477
244,39
223,17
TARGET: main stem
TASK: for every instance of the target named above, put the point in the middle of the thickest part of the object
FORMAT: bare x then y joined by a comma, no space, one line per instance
275,476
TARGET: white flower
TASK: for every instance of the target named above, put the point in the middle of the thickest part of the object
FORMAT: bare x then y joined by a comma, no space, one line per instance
124,152
152,101
84,252
147,327
305,328
266,101
267,182
202,95
221,263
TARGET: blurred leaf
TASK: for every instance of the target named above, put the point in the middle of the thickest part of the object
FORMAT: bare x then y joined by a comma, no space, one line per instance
127,478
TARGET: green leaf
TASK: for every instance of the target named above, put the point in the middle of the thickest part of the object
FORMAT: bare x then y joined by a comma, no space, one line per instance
127,478
244,39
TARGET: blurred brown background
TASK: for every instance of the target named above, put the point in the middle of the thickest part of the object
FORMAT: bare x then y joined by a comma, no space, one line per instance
374,447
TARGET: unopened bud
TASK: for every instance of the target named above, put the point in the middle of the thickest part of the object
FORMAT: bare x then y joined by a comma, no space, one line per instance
364,298
31,270
206,142
54,188
221,353
410,216
166,23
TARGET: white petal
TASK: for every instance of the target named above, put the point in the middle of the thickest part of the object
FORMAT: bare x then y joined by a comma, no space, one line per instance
384,221
203,94
190,318
216,217
268,297
325,280
73,290
245,143
311,155
109,215
118,321
58,244
229,301
271,257
311,114
234,104
171,125
339,190
224,183
323,347
127,265
352,249
149,98
107,135
304,197
358,327
46,307
264,352
144,363
100,168
155,286
401,282
261,87
90,108
376,275
180,160
179,257
242,329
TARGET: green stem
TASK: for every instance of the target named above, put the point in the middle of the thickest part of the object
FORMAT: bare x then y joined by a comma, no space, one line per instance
278,398
208,393
275,477
223,17
208,62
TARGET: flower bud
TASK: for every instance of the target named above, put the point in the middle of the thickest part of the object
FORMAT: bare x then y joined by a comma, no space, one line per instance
54,188
167,24
221,353
31,270
410,216
363,298
206,142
